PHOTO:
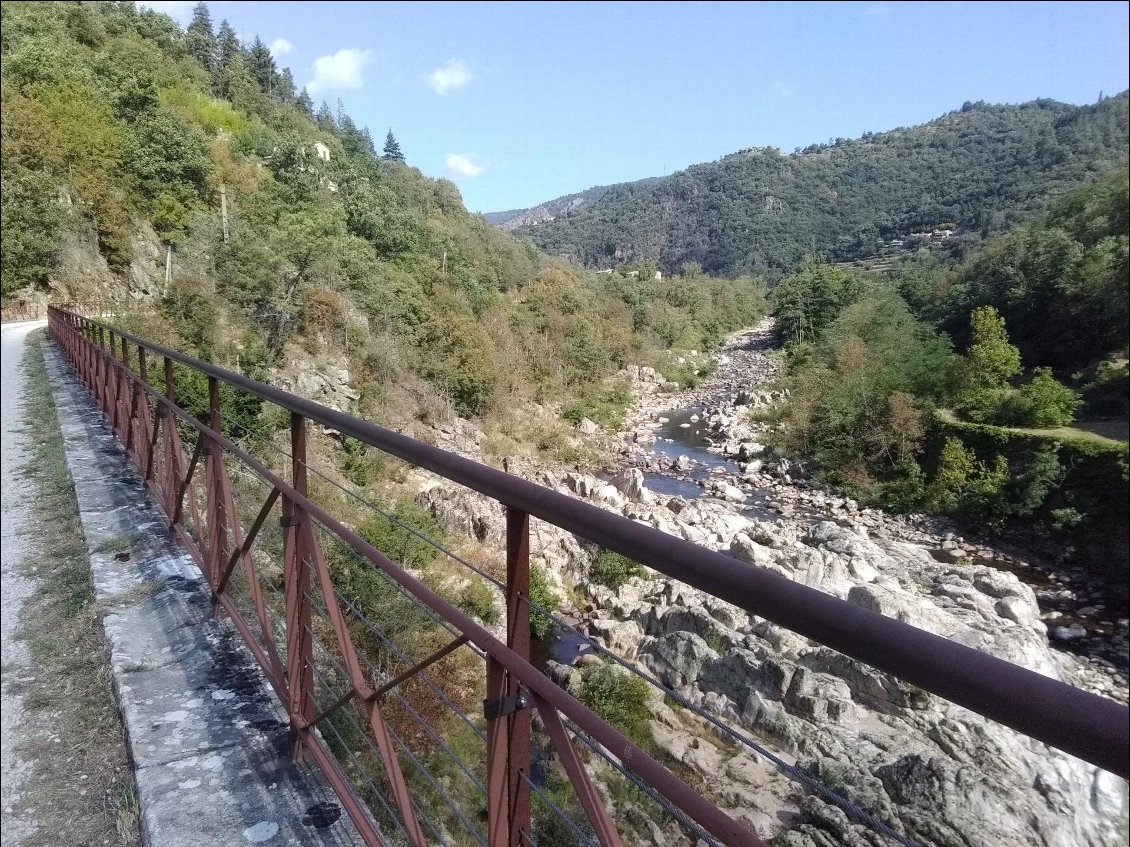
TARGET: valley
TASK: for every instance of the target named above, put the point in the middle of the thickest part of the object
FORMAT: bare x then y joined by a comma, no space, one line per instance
891,368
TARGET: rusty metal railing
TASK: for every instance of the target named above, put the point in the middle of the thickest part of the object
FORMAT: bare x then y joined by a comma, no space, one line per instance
23,311
195,490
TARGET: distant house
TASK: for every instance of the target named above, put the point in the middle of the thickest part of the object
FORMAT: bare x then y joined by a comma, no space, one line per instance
658,275
322,150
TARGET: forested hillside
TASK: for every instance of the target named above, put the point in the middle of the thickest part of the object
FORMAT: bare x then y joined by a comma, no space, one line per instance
951,387
982,168
123,134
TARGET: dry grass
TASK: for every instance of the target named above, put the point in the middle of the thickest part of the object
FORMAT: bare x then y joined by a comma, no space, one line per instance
80,790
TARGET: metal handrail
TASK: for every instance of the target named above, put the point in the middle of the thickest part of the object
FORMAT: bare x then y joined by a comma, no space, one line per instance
1078,722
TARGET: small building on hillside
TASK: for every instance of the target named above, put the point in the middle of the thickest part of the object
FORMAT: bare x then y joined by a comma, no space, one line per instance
322,150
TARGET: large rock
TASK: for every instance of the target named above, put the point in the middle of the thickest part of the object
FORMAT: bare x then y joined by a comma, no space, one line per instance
631,484
463,512
741,673
677,658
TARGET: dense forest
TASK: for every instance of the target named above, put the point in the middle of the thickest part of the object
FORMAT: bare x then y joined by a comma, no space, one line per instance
123,134
982,168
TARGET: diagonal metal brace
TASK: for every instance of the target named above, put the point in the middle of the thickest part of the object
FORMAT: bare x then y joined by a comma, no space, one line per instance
503,706
391,684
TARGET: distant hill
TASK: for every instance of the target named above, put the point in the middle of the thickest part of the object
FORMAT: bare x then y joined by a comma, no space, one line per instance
982,167
548,211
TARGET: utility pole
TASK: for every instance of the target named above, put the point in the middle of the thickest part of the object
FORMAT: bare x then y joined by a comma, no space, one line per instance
224,211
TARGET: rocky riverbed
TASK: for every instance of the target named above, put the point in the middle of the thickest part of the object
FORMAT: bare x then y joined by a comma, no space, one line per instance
706,438
932,771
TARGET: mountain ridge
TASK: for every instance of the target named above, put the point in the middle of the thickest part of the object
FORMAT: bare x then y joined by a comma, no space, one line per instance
758,210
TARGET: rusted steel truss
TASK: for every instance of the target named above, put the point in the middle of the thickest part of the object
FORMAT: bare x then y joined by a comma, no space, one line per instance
196,495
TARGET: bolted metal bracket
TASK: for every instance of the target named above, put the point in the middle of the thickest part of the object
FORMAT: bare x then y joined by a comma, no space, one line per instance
287,522
500,708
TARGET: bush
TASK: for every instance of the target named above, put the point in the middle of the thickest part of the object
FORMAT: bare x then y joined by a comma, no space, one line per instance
1043,402
613,569
478,599
540,593
618,697
605,403
398,543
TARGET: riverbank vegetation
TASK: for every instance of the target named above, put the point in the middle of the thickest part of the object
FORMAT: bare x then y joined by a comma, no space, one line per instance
951,388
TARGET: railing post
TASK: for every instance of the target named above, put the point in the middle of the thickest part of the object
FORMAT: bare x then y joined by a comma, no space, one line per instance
170,444
217,517
296,575
508,733
146,431
100,369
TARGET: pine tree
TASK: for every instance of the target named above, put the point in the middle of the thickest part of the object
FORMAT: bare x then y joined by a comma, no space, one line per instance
284,86
367,139
227,48
392,148
199,37
227,45
325,118
305,102
262,65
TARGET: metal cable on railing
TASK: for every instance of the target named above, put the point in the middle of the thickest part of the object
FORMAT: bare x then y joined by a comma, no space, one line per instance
420,767
565,818
860,815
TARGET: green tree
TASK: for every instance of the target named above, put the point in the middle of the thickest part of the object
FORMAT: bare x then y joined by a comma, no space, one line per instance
859,398
284,85
981,377
811,298
392,148
325,118
261,65
1042,402
305,102
962,483
200,39
227,48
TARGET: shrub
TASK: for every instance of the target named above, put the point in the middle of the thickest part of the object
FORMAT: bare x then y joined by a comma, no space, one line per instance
478,599
613,569
605,403
398,543
1045,402
540,593
618,697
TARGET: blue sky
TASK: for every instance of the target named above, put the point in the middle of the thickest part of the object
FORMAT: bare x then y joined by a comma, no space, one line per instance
519,103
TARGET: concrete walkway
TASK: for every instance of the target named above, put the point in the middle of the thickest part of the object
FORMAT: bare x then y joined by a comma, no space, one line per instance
14,586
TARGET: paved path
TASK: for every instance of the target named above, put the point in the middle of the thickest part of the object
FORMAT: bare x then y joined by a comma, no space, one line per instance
14,587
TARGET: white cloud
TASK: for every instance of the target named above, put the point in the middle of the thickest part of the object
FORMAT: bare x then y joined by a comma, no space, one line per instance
179,10
280,47
461,166
344,69
450,76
